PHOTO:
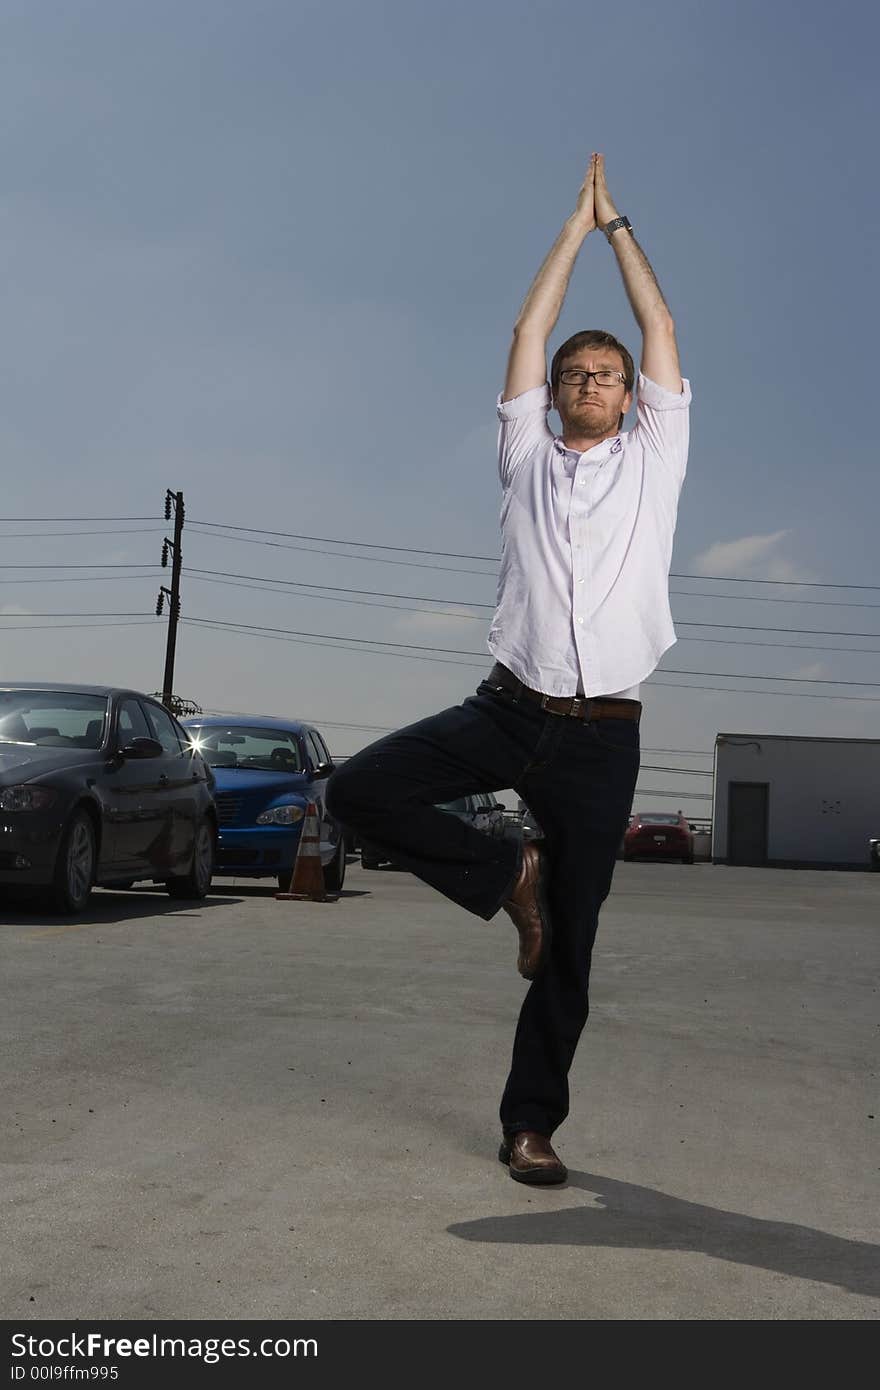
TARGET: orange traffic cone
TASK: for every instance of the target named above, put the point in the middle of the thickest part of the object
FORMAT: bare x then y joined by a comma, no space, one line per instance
307,881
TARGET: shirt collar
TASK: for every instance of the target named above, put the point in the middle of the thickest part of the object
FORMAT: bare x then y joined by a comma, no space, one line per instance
597,454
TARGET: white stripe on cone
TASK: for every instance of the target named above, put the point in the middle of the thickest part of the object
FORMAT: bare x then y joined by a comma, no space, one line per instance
308,876
310,839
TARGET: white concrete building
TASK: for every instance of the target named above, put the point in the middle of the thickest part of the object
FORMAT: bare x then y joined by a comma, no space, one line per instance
795,802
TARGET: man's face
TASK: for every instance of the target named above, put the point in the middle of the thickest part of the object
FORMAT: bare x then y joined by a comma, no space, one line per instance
586,408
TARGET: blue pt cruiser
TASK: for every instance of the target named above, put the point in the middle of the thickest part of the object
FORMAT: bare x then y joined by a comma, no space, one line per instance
267,771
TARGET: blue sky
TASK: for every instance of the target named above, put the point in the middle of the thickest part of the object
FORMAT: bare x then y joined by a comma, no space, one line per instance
270,254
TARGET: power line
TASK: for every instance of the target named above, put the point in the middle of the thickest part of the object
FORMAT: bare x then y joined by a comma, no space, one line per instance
51,519
490,607
800,631
769,598
32,535
485,574
468,603
460,651
496,559
268,588
78,567
60,627
783,646
336,589
343,555
783,694
81,579
206,575
790,583
368,642
138,613
332,540
330,637
753,676
241,631
335,598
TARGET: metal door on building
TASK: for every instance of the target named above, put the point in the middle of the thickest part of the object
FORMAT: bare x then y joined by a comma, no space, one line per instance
747,820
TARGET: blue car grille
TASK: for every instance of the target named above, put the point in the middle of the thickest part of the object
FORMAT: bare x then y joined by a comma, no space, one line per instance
244,857
229,807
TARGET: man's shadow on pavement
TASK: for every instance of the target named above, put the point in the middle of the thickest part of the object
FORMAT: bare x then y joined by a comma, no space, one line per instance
627,1216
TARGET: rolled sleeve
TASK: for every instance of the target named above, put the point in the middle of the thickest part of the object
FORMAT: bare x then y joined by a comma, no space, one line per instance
663,424
523,429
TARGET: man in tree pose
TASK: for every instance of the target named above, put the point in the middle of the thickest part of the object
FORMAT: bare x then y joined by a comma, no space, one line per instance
583,617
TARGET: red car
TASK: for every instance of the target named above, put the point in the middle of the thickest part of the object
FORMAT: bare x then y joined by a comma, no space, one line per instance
659,835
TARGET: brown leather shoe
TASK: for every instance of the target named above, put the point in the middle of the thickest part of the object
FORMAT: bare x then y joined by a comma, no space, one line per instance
527,906
530,1158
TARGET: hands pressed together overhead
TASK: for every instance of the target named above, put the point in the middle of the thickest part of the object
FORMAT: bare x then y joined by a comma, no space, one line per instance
594,205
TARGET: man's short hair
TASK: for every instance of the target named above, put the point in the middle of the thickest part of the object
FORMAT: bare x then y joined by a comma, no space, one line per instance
590,337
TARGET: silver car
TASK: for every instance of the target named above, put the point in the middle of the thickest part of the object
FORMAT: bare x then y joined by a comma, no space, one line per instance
481,811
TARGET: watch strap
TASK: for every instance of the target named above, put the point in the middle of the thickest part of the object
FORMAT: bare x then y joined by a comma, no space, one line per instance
615,224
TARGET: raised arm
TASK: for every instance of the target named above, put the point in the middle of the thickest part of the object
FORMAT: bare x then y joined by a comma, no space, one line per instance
659,350
527,363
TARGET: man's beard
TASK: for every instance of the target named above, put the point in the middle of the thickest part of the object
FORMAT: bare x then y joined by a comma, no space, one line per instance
592,423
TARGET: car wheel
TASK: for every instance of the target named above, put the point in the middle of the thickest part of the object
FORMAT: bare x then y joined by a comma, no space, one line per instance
688,859
75,865
197,883
334,874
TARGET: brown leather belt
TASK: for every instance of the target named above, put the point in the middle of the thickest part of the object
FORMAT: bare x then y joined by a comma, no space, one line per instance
574,706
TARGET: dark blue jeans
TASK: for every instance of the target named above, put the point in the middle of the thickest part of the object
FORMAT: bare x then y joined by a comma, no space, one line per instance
578,777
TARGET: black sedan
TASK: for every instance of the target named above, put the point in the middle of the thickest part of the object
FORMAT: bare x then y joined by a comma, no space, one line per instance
100,785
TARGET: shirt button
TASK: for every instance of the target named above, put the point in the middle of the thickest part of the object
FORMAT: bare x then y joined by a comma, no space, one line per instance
580,581
581,621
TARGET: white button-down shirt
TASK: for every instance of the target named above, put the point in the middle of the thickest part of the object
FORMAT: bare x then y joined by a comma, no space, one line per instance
583,592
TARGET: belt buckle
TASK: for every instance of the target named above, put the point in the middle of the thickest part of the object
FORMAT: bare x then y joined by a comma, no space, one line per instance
580,707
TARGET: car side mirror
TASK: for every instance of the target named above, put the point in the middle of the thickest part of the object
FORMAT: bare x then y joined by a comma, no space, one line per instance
142,748
324,769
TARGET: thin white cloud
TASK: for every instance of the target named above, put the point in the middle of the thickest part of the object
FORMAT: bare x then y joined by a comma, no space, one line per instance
751,557
816,670
444,619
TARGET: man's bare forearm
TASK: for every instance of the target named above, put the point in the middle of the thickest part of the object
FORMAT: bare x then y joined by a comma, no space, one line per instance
640,282
543,303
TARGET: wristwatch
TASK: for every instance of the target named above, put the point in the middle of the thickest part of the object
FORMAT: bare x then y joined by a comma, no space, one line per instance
611,227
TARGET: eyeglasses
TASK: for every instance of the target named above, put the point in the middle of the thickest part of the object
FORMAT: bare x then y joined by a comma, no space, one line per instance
570,377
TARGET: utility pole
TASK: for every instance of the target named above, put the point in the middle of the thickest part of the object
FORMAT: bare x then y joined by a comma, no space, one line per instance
173,502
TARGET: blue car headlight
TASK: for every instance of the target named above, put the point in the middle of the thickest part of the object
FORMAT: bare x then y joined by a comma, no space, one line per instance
281,815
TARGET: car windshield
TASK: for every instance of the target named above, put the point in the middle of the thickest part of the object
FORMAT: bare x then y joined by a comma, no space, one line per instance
52,718
268,750
657,820
460,805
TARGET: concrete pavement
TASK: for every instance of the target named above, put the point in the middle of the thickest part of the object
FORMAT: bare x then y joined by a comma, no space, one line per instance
252,1109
